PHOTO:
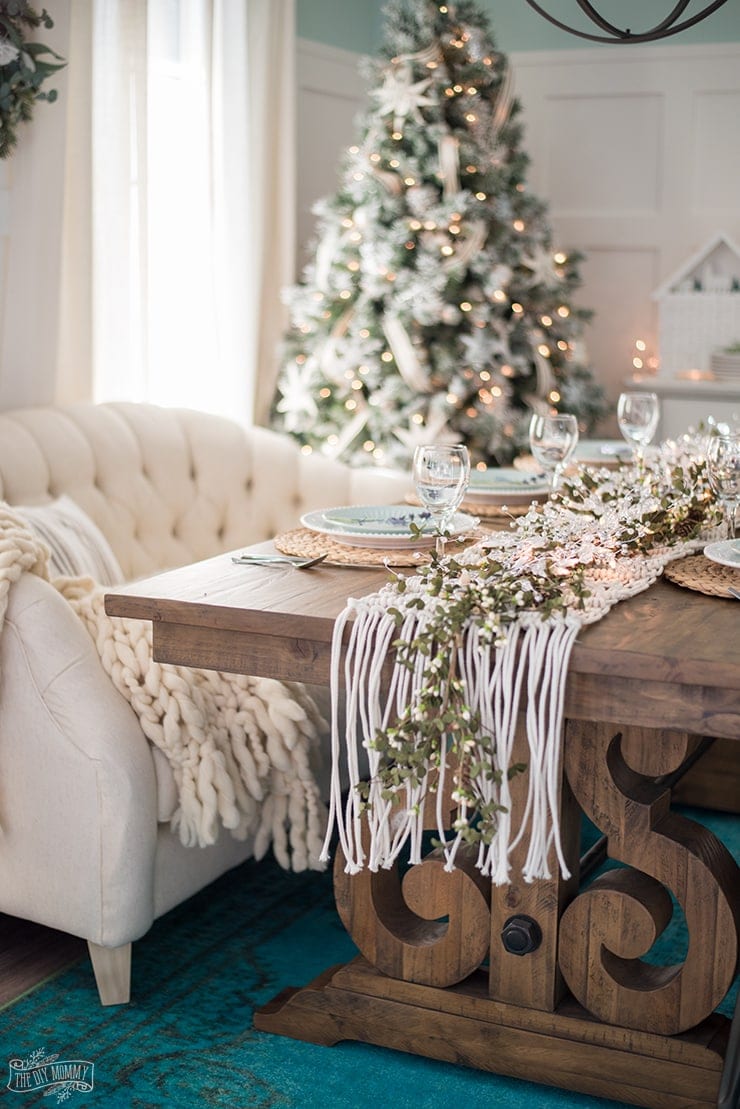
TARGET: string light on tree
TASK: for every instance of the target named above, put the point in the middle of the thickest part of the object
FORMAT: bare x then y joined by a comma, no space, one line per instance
436,307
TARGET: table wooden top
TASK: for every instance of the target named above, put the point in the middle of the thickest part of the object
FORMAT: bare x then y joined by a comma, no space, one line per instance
667,644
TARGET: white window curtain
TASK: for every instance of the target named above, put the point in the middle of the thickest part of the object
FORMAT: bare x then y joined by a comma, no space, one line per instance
193,200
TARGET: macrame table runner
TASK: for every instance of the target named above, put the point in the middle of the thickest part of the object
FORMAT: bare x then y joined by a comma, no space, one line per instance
525,665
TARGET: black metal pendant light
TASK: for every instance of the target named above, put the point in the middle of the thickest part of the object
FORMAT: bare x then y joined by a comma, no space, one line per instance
668,26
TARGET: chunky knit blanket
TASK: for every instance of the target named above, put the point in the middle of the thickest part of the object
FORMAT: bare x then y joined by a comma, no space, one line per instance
498,622
240,748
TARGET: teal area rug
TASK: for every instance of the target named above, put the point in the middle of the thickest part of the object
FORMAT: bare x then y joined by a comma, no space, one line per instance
186,1038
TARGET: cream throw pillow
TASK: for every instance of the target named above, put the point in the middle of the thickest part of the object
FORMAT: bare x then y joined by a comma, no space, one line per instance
78,547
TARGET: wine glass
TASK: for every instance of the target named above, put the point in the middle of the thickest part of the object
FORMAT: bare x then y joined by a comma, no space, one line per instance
441,476
723,473
637,415
552,440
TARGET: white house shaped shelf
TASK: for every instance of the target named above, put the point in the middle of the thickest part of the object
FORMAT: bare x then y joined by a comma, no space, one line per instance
699,309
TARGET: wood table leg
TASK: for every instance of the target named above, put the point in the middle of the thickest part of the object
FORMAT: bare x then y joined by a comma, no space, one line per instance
429,926
423,997
607,929
532,978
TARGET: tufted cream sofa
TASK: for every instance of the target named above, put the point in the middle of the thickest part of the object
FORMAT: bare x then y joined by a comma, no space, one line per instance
85,843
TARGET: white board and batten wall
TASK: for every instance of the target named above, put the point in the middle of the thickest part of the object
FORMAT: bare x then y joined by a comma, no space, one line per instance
635,149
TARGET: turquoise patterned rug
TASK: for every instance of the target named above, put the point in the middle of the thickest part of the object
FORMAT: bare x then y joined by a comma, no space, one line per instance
186,1038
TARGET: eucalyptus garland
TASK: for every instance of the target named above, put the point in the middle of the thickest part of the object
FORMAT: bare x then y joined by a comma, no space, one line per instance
24,67
568,557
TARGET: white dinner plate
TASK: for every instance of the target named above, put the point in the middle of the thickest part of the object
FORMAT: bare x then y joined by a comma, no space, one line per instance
602,452
726,553
387,527
505,485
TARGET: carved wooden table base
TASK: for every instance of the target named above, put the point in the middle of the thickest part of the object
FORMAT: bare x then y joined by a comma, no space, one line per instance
566,998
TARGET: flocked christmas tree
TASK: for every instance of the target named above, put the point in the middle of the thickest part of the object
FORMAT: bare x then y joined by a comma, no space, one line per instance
435,308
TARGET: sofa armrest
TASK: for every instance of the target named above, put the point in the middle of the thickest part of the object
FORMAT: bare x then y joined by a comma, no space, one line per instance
77,782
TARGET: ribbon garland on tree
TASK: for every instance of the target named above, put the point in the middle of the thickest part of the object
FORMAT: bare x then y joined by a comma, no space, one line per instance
405,356
448,148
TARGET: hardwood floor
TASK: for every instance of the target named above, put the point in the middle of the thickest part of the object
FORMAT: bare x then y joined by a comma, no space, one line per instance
30,953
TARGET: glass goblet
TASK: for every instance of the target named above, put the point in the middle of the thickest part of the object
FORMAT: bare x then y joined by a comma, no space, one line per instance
552,440
723,474
638,415
441,476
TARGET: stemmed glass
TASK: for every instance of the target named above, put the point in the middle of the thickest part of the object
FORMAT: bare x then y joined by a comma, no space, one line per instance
723,472
637,415
552,440
441,476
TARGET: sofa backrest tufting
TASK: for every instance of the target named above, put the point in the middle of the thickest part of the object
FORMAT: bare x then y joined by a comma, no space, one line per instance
171,486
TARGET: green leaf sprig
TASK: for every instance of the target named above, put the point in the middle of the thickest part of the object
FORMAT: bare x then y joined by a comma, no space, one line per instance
24,67
442,722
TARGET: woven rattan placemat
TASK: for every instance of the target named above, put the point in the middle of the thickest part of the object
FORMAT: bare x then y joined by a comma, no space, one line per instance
702,575
309,544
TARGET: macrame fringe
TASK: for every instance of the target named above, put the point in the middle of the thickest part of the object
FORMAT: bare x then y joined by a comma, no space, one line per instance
494,677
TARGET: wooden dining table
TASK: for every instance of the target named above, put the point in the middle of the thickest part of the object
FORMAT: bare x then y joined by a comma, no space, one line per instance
548,980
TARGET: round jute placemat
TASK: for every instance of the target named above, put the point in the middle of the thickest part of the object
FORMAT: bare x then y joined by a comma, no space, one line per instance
699,573
310,544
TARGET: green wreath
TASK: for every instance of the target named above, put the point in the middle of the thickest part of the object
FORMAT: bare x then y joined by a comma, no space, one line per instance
24,66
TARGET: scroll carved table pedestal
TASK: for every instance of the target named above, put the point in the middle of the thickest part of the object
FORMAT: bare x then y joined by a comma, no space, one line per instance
545,981
421,985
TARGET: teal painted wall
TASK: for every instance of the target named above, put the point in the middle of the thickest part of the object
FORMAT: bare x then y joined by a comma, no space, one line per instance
349,24
518,27
357,24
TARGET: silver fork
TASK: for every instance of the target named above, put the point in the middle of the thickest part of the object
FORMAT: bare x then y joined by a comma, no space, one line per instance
733,592
277,560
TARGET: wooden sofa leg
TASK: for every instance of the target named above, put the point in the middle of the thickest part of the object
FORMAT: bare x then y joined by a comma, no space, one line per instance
112,967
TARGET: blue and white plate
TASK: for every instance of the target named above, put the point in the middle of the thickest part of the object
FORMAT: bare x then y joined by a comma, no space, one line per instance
505,485
387,527
726,553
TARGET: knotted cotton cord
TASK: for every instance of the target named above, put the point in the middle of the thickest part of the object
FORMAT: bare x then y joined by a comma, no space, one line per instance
535,650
